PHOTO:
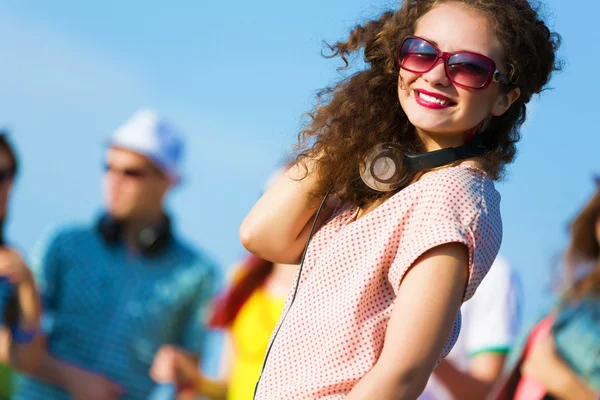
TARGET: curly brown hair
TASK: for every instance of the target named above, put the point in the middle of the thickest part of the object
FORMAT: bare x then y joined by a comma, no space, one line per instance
363,109
584,251
6,145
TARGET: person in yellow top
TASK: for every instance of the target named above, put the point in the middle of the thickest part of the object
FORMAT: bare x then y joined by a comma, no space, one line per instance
251,326
248,312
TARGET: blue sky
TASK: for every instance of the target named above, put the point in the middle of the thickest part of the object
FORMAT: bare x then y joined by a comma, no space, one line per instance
236,77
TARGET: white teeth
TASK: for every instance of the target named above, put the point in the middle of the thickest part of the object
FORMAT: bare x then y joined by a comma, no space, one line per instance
432,99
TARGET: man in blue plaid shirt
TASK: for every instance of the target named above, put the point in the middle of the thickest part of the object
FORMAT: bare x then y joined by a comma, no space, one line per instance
117,291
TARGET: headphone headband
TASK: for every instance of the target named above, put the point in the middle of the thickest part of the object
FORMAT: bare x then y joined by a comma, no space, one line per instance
150,240
388,167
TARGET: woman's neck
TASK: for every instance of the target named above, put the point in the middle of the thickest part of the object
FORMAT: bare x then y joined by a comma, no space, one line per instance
436,141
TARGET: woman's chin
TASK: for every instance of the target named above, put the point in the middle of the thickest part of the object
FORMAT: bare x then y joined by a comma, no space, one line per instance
430,123
435,129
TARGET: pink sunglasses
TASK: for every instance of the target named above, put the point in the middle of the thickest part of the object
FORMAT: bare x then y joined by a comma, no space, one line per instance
463,68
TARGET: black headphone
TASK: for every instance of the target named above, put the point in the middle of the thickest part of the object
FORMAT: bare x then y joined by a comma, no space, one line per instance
388,167
150,241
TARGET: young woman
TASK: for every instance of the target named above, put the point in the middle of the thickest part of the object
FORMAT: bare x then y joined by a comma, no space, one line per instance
392,258
20,308
562,356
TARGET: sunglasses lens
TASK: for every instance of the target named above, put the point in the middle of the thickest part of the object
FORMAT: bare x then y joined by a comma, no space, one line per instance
417,55
6,176
126,172
134,173
470,70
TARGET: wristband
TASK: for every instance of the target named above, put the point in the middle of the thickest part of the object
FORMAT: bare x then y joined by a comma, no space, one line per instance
22,336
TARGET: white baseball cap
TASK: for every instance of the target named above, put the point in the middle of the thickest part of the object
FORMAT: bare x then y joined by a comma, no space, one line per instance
148,134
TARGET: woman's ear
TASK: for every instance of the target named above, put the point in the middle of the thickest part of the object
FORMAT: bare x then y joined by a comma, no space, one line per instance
504,101
401,84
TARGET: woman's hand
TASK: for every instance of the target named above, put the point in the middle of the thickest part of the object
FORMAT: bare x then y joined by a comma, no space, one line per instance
13,267
24,314
173,365
277,227
542,362
545,365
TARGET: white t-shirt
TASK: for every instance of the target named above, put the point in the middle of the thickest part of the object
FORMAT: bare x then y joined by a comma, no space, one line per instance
490,322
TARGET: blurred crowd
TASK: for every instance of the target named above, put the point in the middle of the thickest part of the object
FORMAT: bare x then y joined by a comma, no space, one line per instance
120,308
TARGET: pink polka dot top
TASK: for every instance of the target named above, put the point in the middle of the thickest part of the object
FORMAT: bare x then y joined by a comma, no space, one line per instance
334,330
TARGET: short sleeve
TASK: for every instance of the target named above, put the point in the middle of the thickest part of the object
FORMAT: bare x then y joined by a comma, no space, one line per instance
193,329
492,316
45,265
458,208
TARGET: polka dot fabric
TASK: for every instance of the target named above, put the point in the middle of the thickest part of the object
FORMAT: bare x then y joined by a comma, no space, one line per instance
334,331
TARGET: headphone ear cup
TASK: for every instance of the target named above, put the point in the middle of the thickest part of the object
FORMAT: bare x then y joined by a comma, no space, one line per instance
109,228
152,239
384,168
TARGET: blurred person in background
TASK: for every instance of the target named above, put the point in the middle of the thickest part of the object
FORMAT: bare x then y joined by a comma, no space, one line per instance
491,321
20,346
248,312
117,291
561,357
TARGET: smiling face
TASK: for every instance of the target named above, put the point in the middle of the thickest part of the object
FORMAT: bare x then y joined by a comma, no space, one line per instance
440,110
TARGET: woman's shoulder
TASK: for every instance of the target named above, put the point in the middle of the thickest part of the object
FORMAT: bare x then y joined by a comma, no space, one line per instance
463,182
464,177
460,192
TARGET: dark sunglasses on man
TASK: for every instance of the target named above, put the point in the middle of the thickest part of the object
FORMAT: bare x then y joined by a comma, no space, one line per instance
134,173
6,175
